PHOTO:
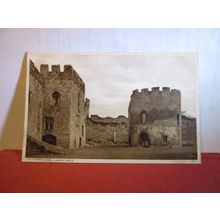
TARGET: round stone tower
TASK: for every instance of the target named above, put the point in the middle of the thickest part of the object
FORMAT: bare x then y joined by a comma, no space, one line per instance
155,117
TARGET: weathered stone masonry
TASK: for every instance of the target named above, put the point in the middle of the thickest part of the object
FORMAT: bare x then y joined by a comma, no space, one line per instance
58,113
57,106
107,131
154,120
154,117
188,131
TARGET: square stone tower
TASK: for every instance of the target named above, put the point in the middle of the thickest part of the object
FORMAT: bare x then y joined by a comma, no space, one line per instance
58,106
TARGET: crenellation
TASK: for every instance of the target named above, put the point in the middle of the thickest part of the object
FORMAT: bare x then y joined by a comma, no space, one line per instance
155,89
68,73
175,92
68,68
166,89
44,69
58,101
145,90
154,115
136,91
55,68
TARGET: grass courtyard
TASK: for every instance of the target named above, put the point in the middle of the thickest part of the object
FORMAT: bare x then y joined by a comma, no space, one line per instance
125,152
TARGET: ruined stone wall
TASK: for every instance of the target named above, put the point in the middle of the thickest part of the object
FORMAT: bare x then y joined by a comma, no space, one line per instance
35,103
188,131
162,121
107,131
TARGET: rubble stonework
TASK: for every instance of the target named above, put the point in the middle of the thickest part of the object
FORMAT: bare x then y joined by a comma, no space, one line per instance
58,113
107,131
154,117
57,106
188,131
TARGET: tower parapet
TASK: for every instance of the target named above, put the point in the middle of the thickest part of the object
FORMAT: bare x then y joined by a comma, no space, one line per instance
44,69
68,73
154,91
154,116
55,68
35,73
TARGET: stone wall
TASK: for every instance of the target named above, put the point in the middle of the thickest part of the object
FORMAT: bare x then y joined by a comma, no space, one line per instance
107,131
156,115
188,131
69,114
35,103
58,107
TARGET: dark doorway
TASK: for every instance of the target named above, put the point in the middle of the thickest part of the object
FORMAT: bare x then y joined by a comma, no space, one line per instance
164,139
144,139
50,139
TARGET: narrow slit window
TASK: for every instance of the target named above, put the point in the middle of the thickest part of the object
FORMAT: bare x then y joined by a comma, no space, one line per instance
143,117
56,98
82,130
49,123
178,119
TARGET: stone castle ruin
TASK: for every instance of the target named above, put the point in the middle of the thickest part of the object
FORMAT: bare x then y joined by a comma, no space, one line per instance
107,131
57,106
58,114
155,117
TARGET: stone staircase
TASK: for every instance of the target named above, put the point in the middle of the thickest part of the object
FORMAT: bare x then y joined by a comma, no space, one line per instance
35,146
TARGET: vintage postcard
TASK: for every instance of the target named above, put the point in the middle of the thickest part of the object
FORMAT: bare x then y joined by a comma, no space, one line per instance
112,108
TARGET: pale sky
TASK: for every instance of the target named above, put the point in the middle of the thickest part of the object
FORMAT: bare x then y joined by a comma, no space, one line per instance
111,78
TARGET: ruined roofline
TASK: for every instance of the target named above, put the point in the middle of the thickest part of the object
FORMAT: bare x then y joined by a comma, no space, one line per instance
35,73
164,90
108,120
108,117
68,69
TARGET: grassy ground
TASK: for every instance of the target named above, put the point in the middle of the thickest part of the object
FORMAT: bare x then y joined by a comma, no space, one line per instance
120,152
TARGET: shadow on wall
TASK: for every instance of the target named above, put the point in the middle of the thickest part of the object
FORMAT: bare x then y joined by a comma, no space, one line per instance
13,129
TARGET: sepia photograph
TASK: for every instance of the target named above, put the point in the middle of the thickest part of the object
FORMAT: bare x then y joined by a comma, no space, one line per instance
112,108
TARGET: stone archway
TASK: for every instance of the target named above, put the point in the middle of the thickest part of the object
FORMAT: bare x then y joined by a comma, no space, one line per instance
144,139
50,139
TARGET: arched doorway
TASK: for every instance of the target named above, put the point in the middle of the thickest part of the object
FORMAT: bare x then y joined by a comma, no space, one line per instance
144,139
50,139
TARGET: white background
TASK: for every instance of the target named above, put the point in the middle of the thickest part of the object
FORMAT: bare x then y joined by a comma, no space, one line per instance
15,42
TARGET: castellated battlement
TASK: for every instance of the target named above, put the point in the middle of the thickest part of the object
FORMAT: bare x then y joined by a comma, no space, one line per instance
154,91
68,72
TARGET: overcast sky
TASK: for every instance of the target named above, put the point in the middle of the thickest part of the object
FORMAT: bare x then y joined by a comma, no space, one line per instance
111,78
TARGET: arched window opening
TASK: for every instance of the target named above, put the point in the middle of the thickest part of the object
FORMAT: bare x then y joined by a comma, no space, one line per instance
55,98
143,117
